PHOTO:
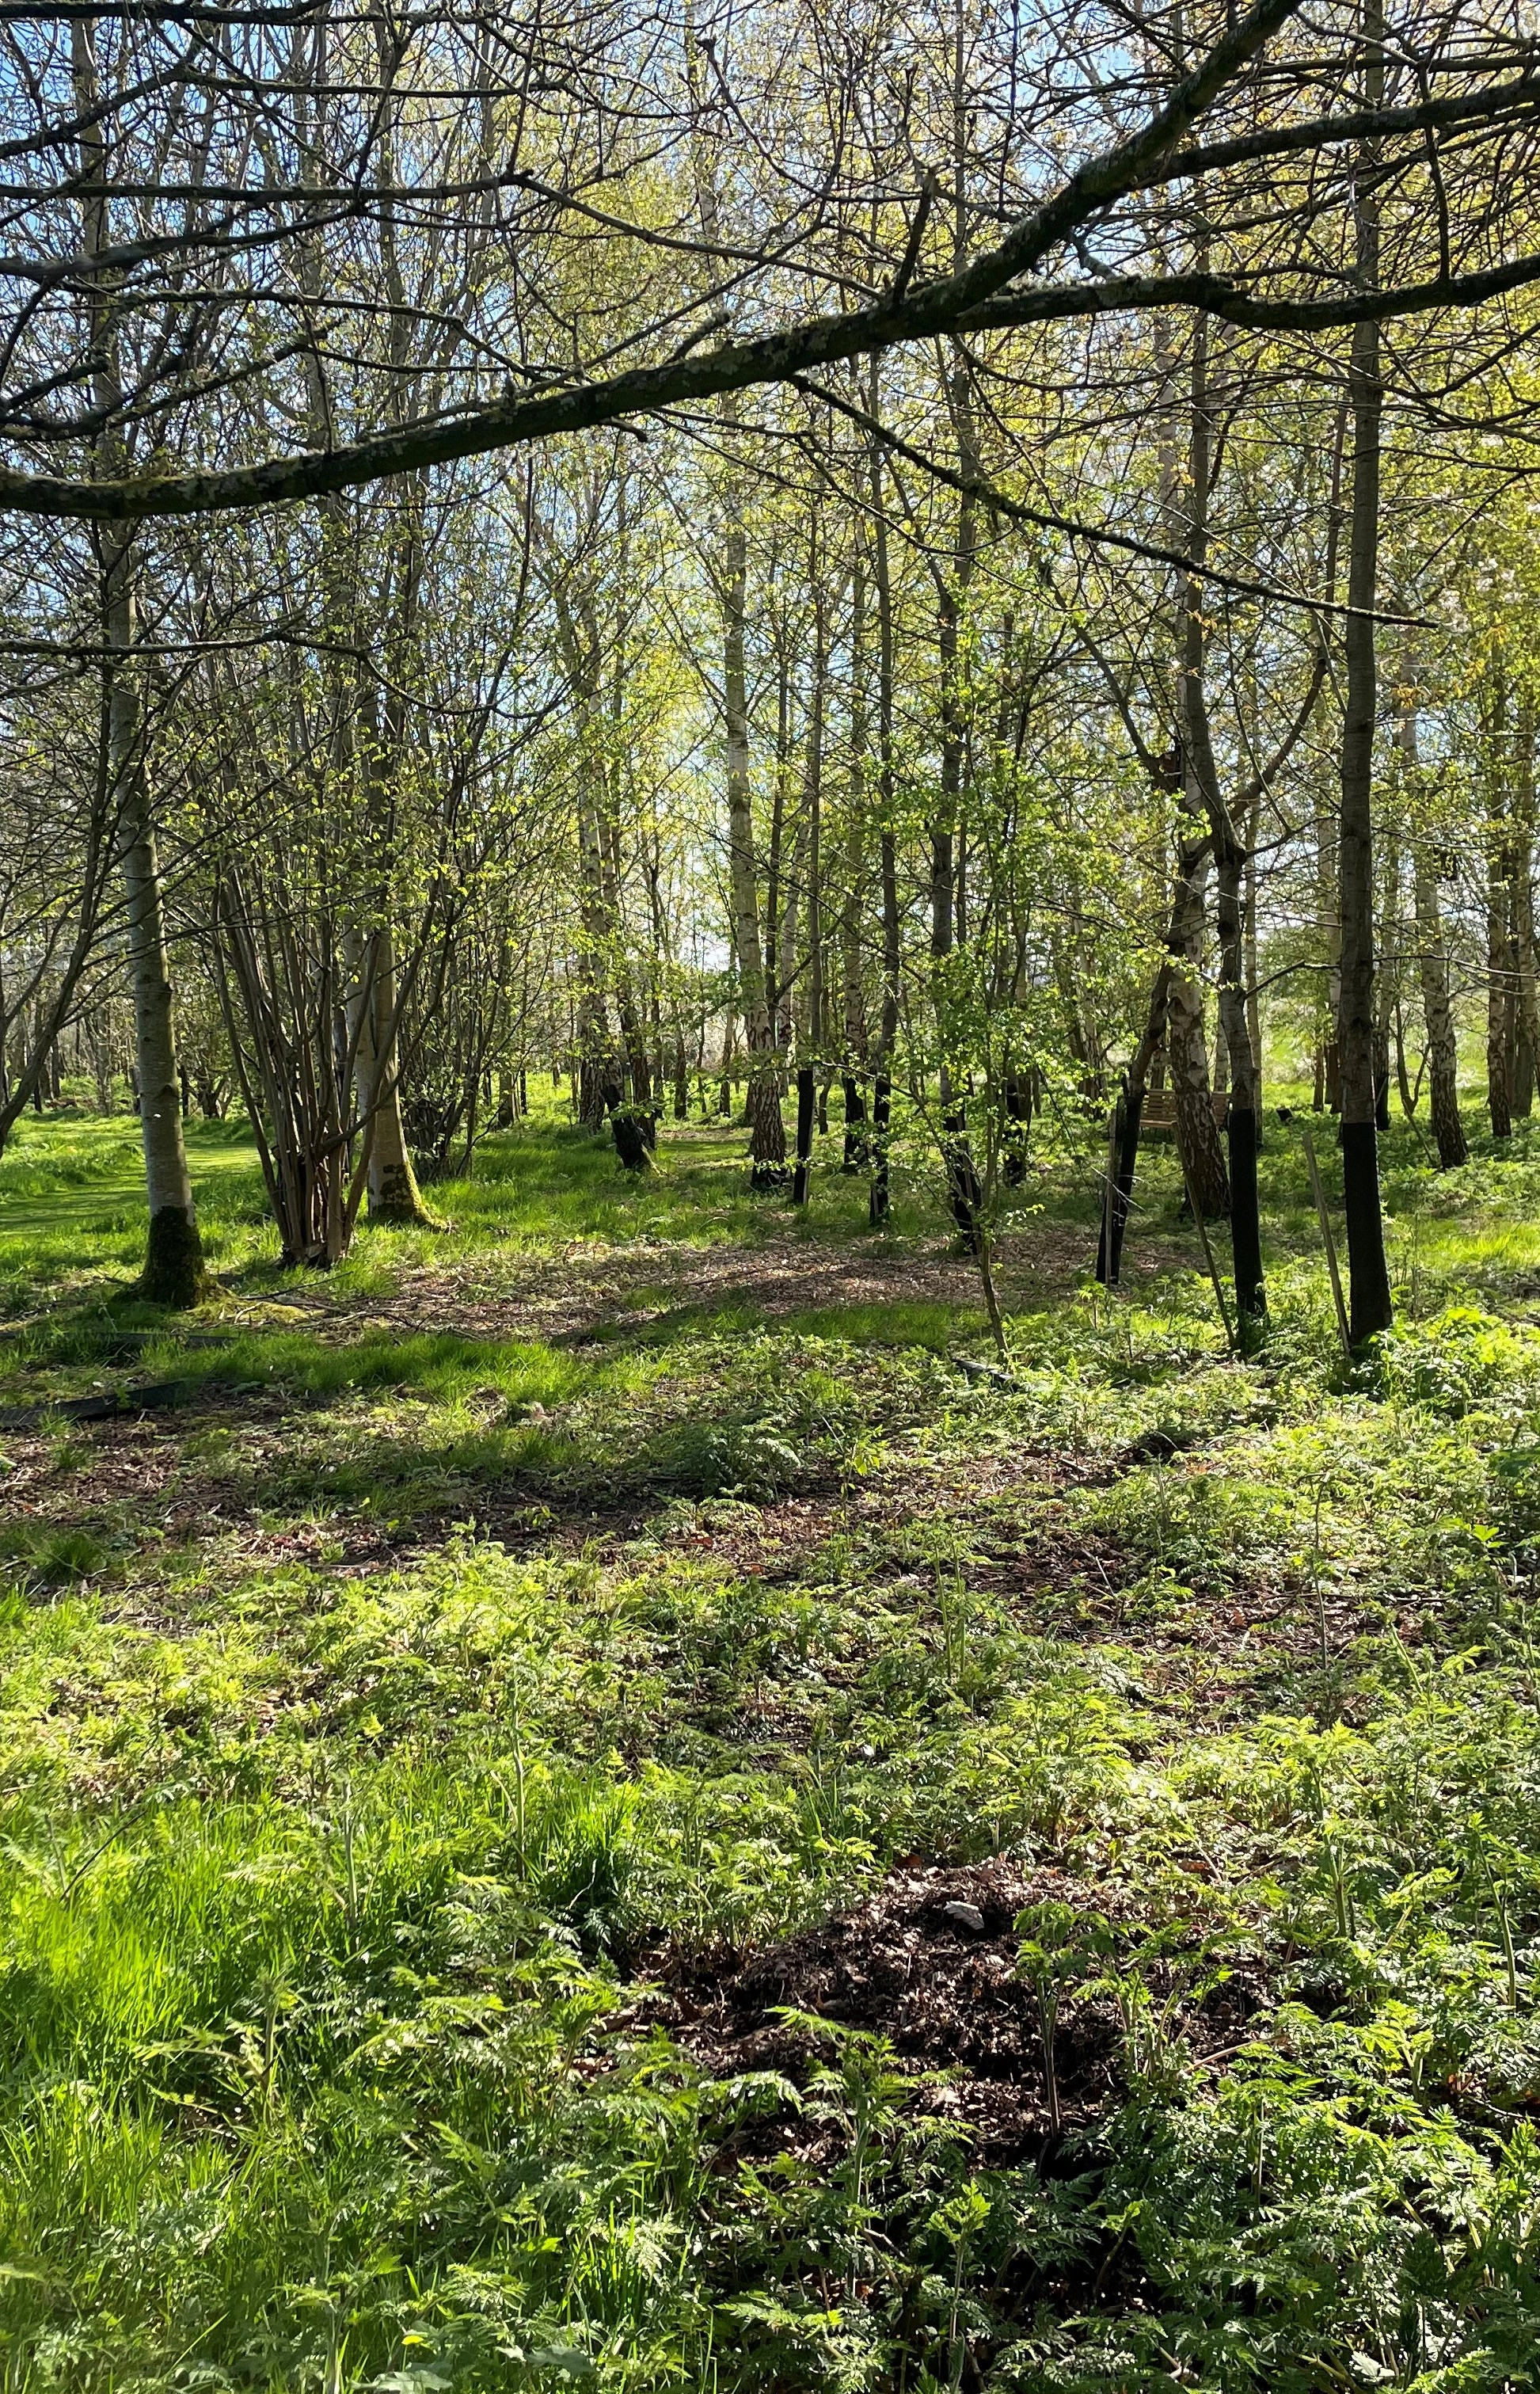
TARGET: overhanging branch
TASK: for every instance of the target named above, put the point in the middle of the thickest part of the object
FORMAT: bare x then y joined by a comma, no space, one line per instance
917,314
989,294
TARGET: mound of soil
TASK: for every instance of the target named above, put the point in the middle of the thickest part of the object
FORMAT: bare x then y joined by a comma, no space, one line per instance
928,1961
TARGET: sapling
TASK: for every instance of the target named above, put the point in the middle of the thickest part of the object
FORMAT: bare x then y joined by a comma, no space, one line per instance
1482,1848
960,2221
1058,1952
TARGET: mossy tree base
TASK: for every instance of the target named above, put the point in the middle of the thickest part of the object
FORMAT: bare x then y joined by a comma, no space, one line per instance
174,1273
395,1202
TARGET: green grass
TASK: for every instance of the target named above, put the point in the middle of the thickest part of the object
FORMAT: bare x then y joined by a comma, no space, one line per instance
621,1581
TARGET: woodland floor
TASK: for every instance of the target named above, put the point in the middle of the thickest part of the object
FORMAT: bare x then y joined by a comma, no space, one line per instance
580,1800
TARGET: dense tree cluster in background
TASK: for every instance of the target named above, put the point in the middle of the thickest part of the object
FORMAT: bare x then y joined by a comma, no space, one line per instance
986,553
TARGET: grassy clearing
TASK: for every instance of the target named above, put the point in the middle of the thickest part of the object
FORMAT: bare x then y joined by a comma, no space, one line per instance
435,1742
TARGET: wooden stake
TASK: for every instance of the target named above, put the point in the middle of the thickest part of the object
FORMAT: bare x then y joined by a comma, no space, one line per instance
1208,1252
1328,1240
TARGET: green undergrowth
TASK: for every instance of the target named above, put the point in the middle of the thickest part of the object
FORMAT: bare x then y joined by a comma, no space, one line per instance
383,1718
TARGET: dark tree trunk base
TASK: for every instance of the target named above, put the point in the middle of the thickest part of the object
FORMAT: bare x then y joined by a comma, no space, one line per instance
1448,1129
882,1105
1202,1156
806,1099
1018,1094
174,1270
964,1194
633,1147
1370,1310
857,1145
1130,1115
1246,1223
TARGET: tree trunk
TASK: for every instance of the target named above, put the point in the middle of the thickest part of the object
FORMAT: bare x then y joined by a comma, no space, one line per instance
1196,1125
1254,993
394,1196
1498,962
851,980
601,1085
1522,874
766,1131
1371,1309
809,1096
174,1273
1185,492
1186,1050
1385,980
1243,1116
813,790
1148,1066
1432,963
964,1194
806,1102
1432,973
780,905
887,1026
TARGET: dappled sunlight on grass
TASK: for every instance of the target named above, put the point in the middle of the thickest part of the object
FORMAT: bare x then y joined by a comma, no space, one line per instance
478,1659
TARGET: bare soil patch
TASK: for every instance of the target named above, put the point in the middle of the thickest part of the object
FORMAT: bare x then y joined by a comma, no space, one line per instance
944,1990
929,1961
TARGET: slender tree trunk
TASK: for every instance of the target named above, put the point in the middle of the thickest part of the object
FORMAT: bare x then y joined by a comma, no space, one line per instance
1328,874
854,1038
1432,961
1232,1032
1388,953
1498,958
1185,492
1371,1309
393,1192
724,1094
1329,854
963,1193
1187,1050
1432,973
383,720
1403,1078
812,1057
174,1272
780,902
1522,857
814,903
888,1027
1254,993
600,1084
794,890
851,978
766,1131
394,1195
1149,1059
1243,1115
